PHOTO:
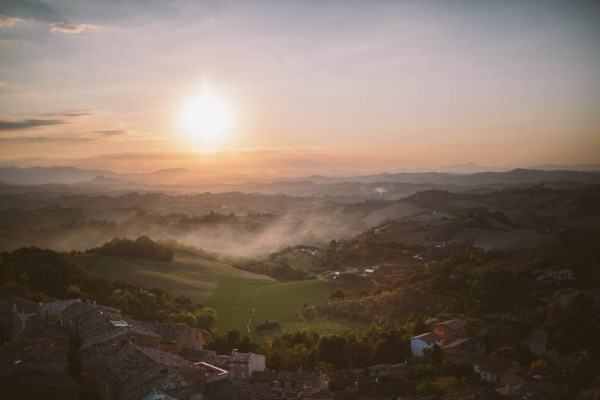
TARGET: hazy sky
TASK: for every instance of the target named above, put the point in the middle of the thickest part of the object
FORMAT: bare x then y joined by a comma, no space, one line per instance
307,86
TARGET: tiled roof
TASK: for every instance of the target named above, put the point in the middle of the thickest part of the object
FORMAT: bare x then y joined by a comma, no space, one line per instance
167,332
76,310
221,361
118,365
240,357
457,343
42,328
57,306
428,337
169,381
165,358
196,355
157,395
32,353
496,364
97,326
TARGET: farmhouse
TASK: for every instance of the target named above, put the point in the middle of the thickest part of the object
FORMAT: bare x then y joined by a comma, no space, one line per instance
460,349
494,369
422,342
450,330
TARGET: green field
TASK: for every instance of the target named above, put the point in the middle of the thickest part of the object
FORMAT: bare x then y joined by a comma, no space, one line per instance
283,301
236,295
233,300
191,276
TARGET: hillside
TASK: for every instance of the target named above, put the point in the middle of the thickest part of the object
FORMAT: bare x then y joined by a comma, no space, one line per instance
191,276
235,295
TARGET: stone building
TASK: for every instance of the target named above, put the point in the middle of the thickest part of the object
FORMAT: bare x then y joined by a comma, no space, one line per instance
130,371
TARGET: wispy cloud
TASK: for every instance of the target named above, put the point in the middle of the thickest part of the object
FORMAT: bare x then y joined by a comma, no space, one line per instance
29,123
111,132
72,114
69,28
9,22
42,120
45,139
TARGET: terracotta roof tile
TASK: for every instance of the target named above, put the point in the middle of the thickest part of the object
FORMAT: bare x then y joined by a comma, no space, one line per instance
428,337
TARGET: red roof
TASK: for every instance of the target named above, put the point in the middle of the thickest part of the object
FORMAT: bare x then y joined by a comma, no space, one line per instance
428,337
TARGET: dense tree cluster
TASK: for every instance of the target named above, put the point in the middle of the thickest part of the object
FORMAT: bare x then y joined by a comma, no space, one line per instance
498,288
44,275
309,350
224,344
142,247
276,266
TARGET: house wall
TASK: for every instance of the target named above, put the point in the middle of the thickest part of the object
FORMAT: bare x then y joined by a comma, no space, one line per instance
448,335
490,377
417,346
243,370
257,363
238,370
134,389
493,377
189,338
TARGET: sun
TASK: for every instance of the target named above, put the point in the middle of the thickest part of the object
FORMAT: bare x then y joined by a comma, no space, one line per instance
207,118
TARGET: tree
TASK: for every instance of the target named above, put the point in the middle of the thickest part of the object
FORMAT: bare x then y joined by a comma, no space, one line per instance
73,292
183,317
457,369
433,355
206,318
507,351
332,349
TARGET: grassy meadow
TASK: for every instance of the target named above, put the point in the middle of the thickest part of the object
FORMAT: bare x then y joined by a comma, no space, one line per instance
191,276
237,296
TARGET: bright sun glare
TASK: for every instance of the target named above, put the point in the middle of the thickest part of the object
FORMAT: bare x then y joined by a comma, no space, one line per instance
207,118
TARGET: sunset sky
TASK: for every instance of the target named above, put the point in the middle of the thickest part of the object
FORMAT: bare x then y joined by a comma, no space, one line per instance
298,86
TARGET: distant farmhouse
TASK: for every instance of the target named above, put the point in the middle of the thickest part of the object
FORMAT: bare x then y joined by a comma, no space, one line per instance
442,335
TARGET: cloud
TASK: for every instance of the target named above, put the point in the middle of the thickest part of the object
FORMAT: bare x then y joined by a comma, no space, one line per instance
112,132
66,137
45,139
35,9
72,114
68,28
9,22
46,120
29,123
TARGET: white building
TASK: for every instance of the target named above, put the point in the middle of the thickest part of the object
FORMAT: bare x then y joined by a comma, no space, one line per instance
422,342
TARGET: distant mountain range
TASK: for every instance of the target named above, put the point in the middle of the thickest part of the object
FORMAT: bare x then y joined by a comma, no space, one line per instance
316,185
